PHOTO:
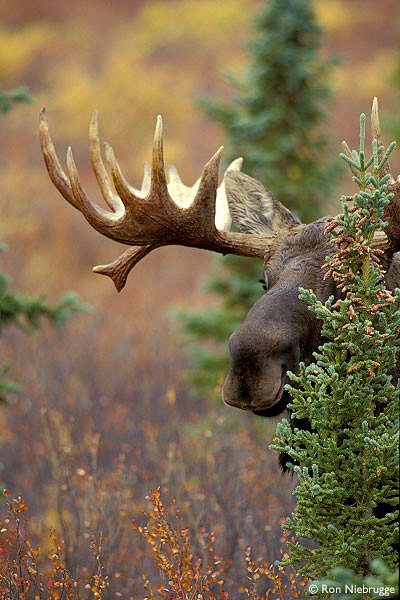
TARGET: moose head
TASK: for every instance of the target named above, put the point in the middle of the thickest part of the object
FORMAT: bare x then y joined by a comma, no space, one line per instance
278,331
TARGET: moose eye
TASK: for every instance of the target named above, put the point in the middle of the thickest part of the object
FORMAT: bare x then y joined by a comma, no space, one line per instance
266,281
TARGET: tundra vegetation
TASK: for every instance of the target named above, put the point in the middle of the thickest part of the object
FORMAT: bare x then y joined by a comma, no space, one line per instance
87,439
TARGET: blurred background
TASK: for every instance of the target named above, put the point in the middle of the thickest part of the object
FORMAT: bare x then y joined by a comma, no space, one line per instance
106,413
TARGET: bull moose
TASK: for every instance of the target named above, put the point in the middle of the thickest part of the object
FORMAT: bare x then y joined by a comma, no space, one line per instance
278,331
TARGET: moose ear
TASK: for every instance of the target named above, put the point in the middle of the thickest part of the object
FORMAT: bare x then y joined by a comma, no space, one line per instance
253,208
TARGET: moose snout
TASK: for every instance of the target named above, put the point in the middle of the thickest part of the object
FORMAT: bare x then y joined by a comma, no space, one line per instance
256,378
264,394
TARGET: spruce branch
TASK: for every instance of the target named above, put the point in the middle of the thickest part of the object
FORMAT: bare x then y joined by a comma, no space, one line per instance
26,313
9,98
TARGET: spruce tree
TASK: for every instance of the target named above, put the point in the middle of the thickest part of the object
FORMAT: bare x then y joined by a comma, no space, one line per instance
275,122
348,463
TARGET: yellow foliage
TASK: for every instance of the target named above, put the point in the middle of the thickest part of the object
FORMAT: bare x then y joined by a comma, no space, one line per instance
17,47
333,15
146,68
375,77
159,25
18,222
151,64
337,16
340,80
74,95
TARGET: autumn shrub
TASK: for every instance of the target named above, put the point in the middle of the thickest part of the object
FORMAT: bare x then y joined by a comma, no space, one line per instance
25,570
187,575
41,572
84,457
184,573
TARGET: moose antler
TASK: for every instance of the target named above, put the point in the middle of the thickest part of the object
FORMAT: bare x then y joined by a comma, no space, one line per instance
150,217
392,210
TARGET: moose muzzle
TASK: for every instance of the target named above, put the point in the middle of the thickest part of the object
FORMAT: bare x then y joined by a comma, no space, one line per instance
256,378
262,350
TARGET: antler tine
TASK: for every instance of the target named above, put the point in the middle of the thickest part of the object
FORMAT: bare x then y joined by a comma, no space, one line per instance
182,194
119,270
223,218
158,179
95,215
204,202
392,210
112,200
57,175
124,190
70,187
158,186
376,131
174,177
348,153
236,165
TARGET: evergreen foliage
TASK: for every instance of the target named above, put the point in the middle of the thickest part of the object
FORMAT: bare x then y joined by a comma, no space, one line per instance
383,580
274,121
25,313
348,464
8,99
275,118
